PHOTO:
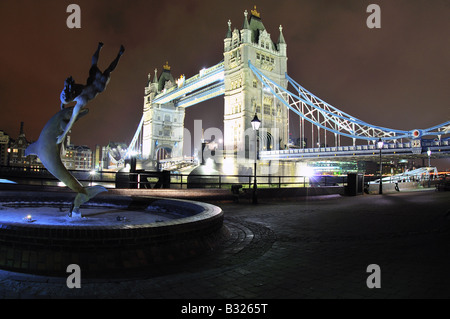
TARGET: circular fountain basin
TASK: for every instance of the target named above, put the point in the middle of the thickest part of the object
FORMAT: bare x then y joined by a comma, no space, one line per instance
113,237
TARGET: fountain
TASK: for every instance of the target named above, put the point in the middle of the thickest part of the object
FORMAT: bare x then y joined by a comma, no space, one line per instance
117,235
45,232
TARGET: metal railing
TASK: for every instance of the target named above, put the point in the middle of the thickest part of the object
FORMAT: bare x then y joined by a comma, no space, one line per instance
183,181
42,177
149,180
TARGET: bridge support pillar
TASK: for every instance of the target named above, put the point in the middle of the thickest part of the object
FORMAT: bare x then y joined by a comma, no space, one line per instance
163,125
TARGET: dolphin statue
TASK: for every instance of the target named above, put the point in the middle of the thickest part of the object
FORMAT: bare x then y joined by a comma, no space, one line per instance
49,152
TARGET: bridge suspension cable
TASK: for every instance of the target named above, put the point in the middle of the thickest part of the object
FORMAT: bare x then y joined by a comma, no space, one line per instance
323,115
135,146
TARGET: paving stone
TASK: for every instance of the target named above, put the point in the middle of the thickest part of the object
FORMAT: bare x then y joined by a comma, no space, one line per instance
293,249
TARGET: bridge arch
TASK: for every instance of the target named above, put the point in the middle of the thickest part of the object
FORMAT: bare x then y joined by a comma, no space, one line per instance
163,153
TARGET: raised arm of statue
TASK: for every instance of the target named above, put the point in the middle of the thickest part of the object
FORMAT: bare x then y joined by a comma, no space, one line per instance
82,94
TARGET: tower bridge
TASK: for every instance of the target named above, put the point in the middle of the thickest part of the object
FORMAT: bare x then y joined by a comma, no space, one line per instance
253,79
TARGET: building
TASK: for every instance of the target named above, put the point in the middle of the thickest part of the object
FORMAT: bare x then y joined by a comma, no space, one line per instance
76,157
17,149
12,151
4,147
97,160
244,94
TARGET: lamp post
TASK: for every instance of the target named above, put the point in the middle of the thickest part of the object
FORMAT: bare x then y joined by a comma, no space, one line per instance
429,165
255,125
380,145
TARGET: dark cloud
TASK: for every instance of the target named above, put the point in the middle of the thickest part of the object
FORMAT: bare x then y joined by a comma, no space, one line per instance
396,76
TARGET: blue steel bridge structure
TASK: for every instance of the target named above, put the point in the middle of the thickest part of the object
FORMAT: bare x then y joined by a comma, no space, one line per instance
330,126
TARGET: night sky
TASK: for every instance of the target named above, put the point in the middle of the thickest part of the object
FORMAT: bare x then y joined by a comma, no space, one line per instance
396,76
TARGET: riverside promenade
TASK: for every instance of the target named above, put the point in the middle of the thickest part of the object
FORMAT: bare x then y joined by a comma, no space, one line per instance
310,247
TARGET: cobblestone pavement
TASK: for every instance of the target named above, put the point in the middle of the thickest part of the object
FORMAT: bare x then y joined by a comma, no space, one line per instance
314,248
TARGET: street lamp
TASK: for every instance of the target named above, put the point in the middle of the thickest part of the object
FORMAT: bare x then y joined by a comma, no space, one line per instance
380,145
429,165
256,123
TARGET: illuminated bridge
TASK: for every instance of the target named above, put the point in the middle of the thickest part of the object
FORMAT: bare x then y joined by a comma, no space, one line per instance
253,79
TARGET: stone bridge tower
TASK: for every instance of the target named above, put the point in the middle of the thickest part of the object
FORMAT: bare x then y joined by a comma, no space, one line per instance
163,123
244,94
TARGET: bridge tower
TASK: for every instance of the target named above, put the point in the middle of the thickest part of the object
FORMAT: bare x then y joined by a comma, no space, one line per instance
244,94
163,123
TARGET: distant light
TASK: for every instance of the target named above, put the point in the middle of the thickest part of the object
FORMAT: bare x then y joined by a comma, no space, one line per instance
209,162
180,81
228,166
306,171
380,144
28,219
92,173
209,167
429,152
416,133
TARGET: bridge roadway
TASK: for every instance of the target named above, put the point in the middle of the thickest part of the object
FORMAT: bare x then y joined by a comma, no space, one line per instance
438,149
191,86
